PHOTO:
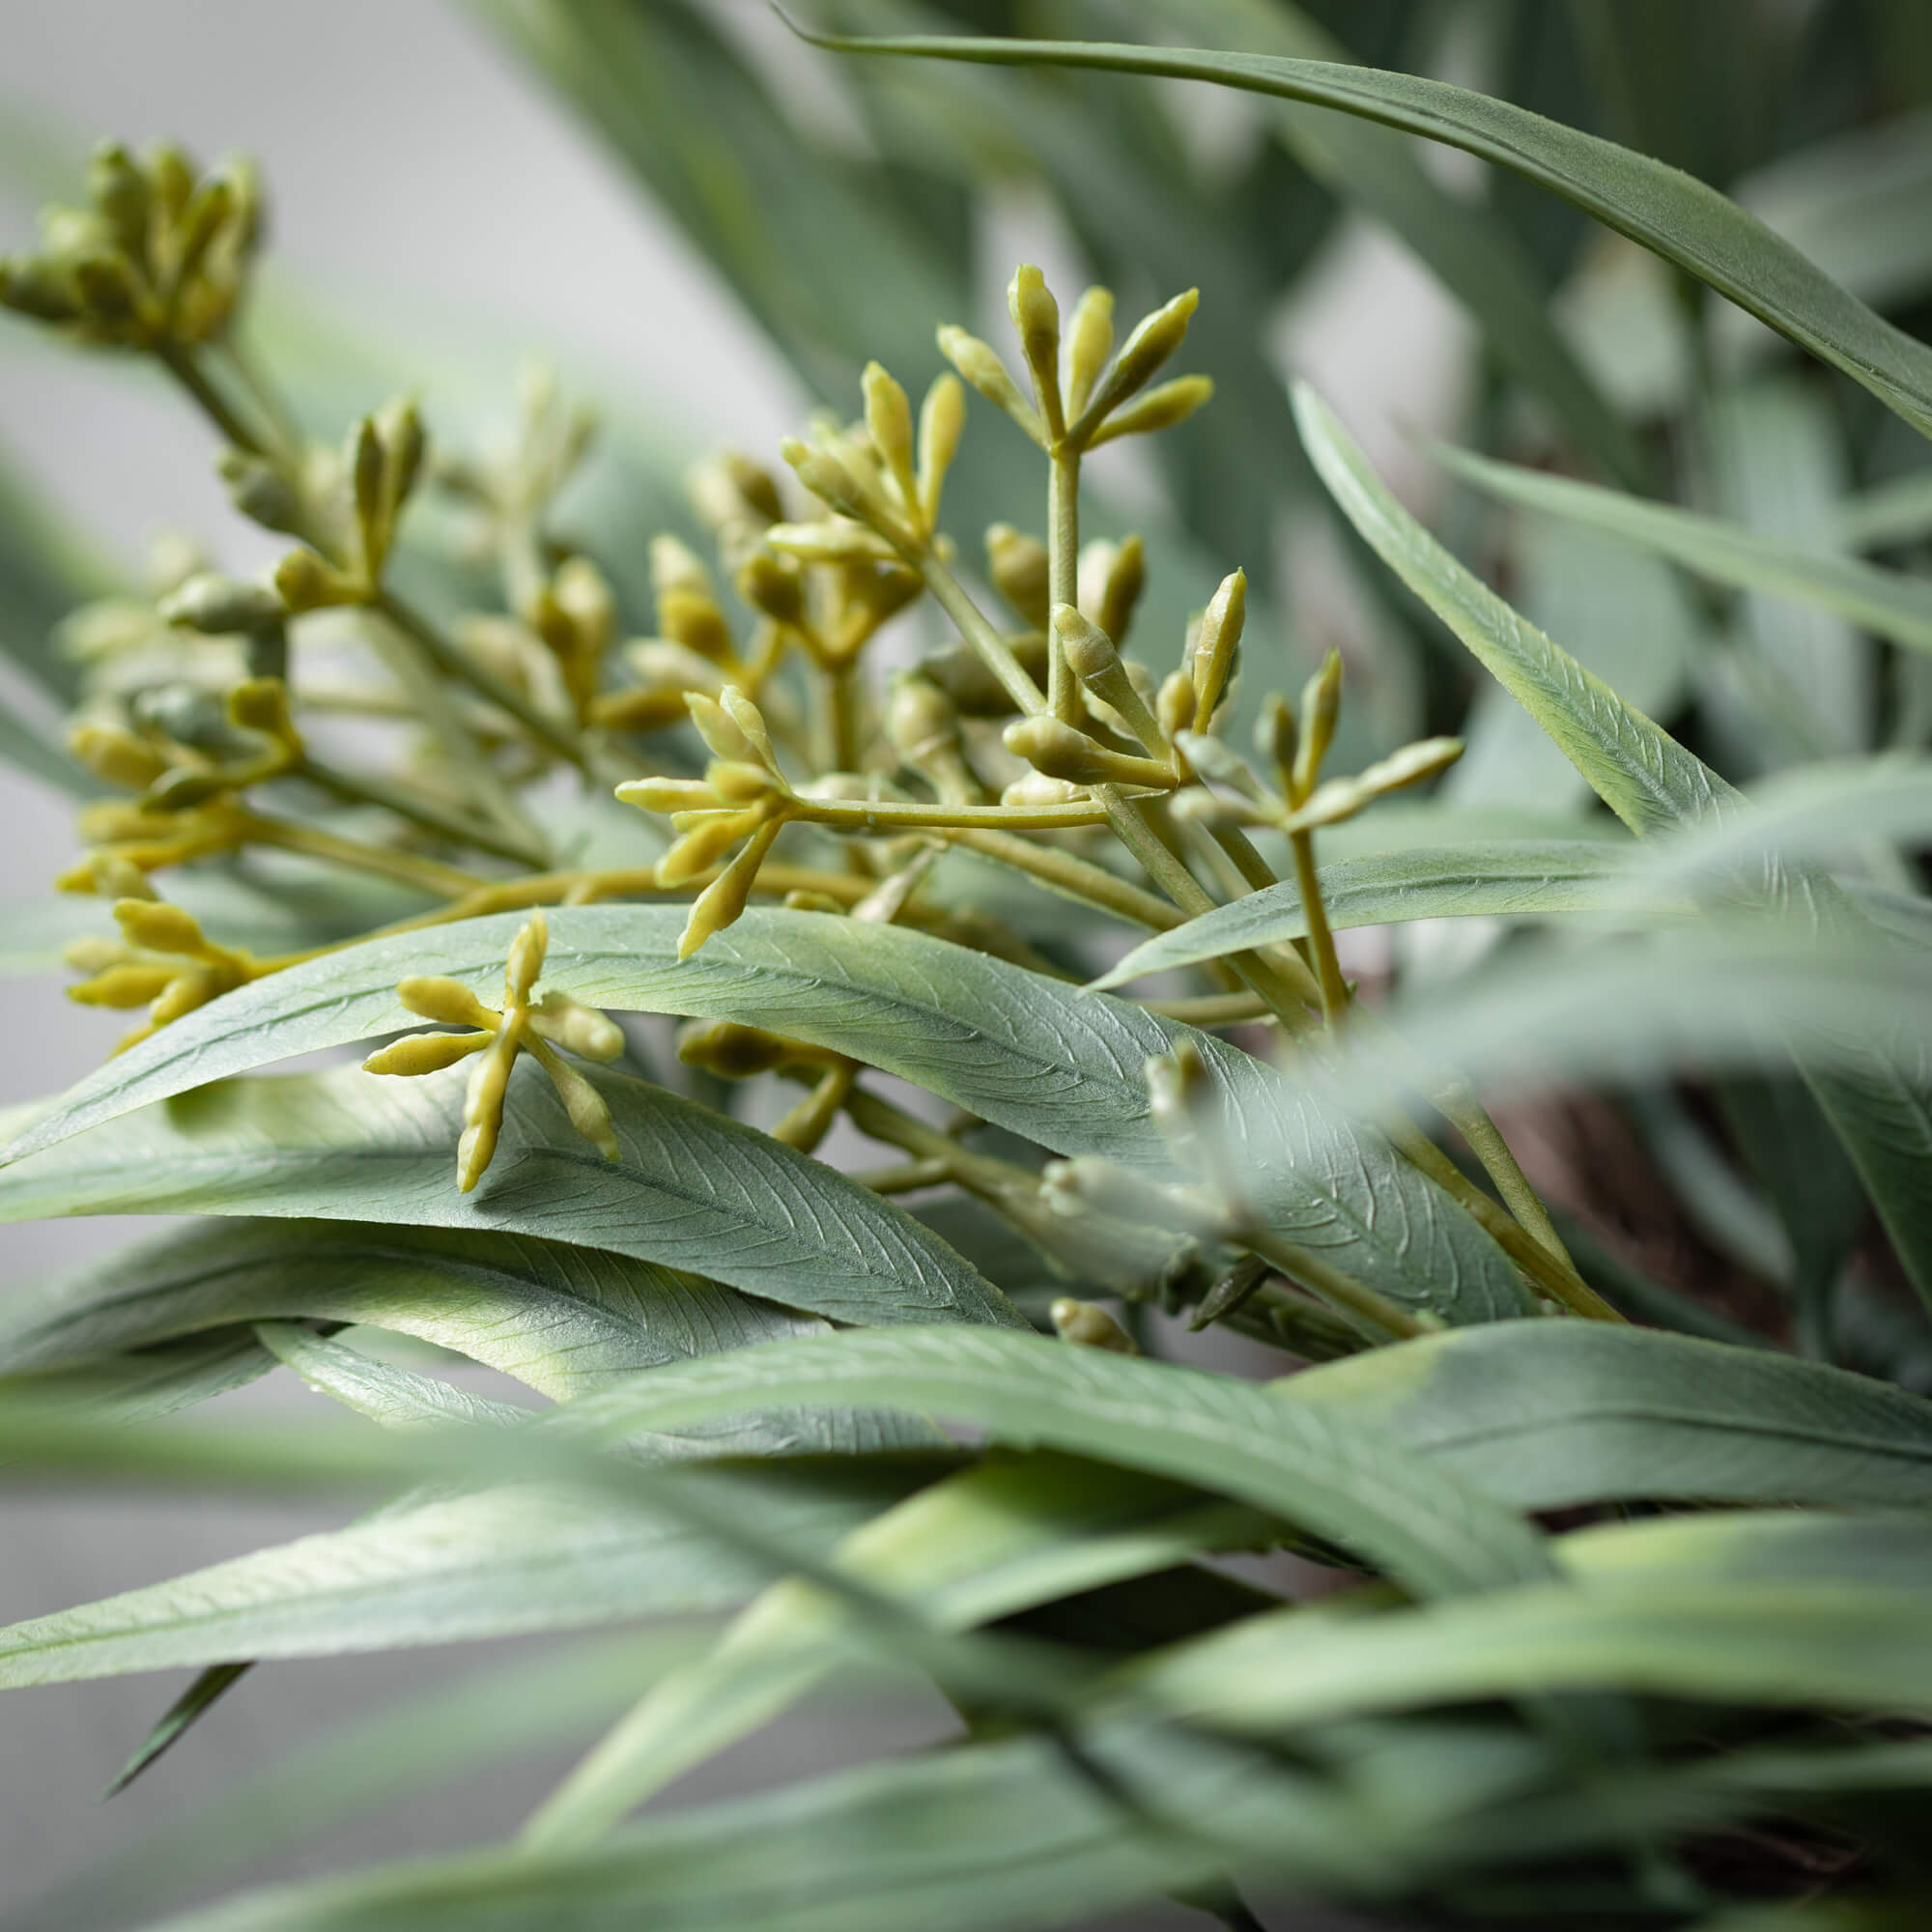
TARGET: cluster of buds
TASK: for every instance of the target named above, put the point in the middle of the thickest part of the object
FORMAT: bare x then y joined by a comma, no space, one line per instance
528,1023
743,800
157,260
352,508
163,960
1099,395
734,1052
694,649
1300,802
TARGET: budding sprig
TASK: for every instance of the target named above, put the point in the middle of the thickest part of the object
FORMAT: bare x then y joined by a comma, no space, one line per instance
528,1023
157,262
163,961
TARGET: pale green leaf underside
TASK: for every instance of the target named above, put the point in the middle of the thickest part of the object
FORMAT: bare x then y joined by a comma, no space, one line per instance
1059,1065
1667,211
1519,880
692,1191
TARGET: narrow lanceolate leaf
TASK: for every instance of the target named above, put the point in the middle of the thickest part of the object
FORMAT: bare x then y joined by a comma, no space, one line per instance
396,1398
1794,1645
457,1569
692,1190
557,1316
1876,1092
1060,1066
1885,601
1667,211
1556,1413
1529,879
1643,774
1348,1483
144,1386
1887,1549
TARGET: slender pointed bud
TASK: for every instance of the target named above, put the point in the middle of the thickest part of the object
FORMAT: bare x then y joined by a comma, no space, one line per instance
218,605
638,710
159,928
122,986
262,704
39,290
108,290
425,1052
1161,407
259,490
483,1110
365,463
738,783
583,594
1088,1325
115,754
826,477
771,586
1213,658
1017,564
942,420
583,1106
889,423
1089,651
720,730
1036,322
1092,658
1198,806
675,566
116,879
123,194
751,720
447,1001
1277,738
403,448
1173,709
755,485
1059,752
1092,1184
805,1126
306,582
208,212
1342,798
704,838
526,959
806,901
1155,337
731,1050
1089,338
660,794
584,1030
726,895
691,618
1321,706
829,540
982,368
1037,788
920,719
1111,585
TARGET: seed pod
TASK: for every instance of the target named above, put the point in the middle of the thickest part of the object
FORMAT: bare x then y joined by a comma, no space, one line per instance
1017,564
1088,1325
1321,706
1090,342
1036,322
942,418
982,368
1155,337
1161,407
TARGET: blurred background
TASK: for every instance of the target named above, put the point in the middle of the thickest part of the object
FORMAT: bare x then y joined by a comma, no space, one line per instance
706,228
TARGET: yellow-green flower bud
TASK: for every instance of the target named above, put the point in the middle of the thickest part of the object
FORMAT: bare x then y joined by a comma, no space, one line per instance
1321,706
1173,709
218,605
1017,564
1112,577
1343,798
1161,407
260,491
1088,1325
705,837
919,720
306,582
1212,654
825,474
772,586
727,896
525,960
942,419
40,290
1155,338
809,901
122,985
733,1051
738,783
419,1053
982,368
116,754
483,1109
1090,340
159,928
660,794
1278,737
889,423
805,1126
675,566
1036,322
720,731
1060,751
447,1001
583,1029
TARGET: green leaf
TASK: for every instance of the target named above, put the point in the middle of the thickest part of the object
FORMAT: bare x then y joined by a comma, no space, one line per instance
456,1569
1062,1066
209,1688
1528,879
1665,210
693,1189
156,1381
396,1398
1897,512
1551,1414
560,1317
1464,247
1889,1550
1884,601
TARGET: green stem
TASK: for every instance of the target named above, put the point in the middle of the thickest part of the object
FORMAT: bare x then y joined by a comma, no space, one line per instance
1073,878
364,790
1320,940
1467,1114
1063,573
1332,1284
405,867
180,364
906,814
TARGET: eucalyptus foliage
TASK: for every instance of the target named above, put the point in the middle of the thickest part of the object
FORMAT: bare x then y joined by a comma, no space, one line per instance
916,819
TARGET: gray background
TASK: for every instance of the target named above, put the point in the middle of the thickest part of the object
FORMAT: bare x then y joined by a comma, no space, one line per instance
420,178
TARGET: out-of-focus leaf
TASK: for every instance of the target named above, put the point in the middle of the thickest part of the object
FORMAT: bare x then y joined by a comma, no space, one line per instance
45,572
1892,1551
561,1317
209,1688
1895,605
1526,880
692,1190
1553,1413
149,1383
1062,1066
1673,214
396,1398
1897,512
